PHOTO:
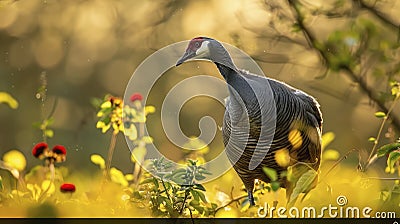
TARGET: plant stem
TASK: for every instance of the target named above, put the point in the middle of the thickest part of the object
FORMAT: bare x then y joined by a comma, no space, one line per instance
374,148
230,202
384,18
13,172
166,190
184,201
191,216
237,199
338,162
313,41
111,149
52,177
21,182
137,170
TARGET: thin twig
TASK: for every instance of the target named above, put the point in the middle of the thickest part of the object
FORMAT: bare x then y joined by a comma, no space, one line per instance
166,191
230,202
309,36
384,18
52,177
184,201
137,170
374,148
53,108
372,96
191,216
337,163
110,153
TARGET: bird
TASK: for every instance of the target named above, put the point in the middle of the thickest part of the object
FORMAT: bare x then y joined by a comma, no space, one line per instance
264,119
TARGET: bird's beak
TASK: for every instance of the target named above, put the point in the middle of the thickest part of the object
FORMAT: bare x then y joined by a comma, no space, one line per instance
188,55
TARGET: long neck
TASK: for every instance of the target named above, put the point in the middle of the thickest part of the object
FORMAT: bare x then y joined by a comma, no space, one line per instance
220,56
229,74
238,86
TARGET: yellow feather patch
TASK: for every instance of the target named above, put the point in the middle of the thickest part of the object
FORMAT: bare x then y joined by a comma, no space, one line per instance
295,138
282,157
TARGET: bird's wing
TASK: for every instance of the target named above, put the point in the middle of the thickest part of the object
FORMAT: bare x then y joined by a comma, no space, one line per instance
226,126
312,108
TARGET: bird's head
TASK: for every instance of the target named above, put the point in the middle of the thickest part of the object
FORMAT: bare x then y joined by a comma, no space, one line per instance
198,48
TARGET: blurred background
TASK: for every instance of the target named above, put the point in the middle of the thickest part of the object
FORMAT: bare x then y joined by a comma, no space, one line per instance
344,53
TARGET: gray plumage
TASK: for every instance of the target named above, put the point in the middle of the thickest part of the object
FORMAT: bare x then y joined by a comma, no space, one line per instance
260,113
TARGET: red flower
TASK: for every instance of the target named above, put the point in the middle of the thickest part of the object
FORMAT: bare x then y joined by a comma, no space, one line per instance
59,153
67,187
39,150
60,150
136,96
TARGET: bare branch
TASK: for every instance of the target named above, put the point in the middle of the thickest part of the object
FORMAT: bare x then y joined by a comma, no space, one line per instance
294,4
237,199
382,16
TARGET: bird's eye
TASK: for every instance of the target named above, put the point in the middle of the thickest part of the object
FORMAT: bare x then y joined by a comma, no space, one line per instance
197,44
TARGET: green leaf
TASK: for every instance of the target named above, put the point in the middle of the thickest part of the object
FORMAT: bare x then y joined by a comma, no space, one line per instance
371,139
146,181
106,120
304,184
198,195
8,99
195,195
37,124
386,149
98,160
96,102
199,187
194,202
380,114
167,185
199,208
49,121
192,162
204,171
271,173
202,196
168,204
196,205
49,133
275,186
137,195
394,156
161,199
178,178
199,177
155,182
179,171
